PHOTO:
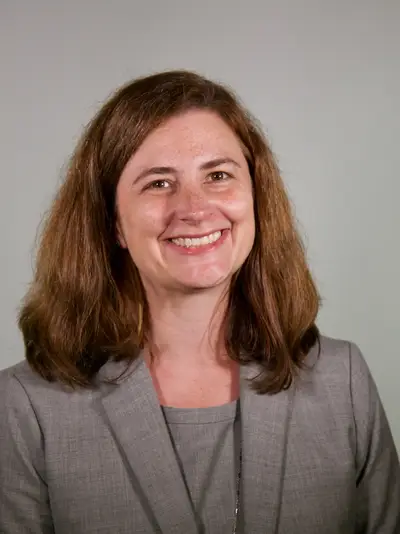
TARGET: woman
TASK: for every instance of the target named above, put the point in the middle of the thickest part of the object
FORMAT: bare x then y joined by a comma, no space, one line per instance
175,379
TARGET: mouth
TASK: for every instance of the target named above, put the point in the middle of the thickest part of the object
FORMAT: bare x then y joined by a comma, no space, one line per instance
198,241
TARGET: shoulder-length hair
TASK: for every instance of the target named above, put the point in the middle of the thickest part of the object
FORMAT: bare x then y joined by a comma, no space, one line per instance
86,303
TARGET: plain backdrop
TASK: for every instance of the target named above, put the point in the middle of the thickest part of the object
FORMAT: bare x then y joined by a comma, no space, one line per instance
322,76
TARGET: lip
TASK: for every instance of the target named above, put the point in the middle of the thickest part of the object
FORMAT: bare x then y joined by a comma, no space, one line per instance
196,251
196,236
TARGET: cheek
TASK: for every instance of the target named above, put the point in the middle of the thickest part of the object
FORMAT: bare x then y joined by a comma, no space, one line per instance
140,219
240,208
149,217
141,226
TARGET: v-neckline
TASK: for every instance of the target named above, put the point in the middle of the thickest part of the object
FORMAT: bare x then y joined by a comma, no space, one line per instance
137,422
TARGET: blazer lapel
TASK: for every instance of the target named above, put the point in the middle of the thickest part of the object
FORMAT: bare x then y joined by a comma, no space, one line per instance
138,425
265,420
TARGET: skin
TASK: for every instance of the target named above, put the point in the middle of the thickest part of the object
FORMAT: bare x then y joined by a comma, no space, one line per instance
188,179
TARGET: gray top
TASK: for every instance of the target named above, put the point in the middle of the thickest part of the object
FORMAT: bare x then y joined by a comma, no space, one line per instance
203,440
317,457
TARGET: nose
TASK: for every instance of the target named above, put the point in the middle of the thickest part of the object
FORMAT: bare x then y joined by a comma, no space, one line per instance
191,204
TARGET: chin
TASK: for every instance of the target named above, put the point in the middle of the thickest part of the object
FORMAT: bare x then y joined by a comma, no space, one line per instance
205,282
197,277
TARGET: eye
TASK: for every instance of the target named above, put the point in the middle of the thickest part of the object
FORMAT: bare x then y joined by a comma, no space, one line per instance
158,184
219,176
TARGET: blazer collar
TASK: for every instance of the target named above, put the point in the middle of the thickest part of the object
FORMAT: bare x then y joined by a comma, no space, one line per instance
133,412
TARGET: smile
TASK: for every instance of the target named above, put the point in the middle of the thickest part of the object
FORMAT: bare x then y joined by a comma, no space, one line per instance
189,242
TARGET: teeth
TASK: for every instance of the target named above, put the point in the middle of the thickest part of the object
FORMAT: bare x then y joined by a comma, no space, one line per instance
197,241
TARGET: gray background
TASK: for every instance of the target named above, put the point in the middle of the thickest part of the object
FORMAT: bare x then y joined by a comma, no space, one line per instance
322,76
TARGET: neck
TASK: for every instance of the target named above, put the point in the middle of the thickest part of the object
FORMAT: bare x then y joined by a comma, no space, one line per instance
186,328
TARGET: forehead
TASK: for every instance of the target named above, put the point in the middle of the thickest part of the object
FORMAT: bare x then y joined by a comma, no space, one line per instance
193,133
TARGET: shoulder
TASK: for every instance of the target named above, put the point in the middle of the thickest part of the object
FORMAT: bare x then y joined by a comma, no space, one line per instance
337,380
337,373
18,421
19,387
20,370
337,362
335,383
24,391
21,380
25,394
12,383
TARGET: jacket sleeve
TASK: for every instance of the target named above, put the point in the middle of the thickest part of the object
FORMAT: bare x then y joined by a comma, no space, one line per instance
24,503
377,462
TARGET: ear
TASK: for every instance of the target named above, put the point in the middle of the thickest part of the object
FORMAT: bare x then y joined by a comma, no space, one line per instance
120,236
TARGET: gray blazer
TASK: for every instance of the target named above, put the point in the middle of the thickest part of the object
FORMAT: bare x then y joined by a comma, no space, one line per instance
318,458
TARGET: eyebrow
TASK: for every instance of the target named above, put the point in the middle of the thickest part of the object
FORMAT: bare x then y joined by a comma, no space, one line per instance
159,170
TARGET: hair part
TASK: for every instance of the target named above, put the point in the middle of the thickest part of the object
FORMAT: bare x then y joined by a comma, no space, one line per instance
86,303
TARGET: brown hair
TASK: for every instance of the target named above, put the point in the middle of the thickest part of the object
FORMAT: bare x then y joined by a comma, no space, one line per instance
86,303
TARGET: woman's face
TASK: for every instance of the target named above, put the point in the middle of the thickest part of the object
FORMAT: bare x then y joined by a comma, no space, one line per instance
185,204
